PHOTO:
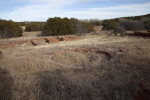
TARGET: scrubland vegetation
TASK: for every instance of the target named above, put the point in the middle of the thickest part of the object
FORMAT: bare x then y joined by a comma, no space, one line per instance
30,74
34,27
9,29
65,26
57,26
128,23
77,70
109,24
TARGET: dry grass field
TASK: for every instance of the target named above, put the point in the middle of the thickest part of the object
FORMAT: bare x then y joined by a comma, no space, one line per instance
27,72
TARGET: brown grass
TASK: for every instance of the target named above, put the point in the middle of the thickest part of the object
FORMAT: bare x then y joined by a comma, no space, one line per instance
29,74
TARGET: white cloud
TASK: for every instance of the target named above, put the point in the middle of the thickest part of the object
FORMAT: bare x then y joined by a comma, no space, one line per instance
39,10
43,9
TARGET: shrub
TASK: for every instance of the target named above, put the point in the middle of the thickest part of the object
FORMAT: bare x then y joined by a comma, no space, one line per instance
147,25
138,17
58,26
146,22
131,24
21,23
120,30
34,27
96,22
109,24
88,27
10,29
83,27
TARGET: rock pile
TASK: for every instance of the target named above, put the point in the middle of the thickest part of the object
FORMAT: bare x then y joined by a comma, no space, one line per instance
83,50
36,41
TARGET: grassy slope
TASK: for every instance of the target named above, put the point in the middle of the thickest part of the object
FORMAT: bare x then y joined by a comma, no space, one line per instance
31,75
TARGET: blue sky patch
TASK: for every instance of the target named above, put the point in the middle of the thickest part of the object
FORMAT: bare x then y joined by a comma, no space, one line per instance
40,10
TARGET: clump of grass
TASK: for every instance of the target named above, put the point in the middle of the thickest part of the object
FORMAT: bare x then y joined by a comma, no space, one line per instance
6,84
77,59
117,79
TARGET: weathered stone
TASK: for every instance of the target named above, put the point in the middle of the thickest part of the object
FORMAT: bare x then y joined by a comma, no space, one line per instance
84,50
37,41
34,42
123,49
61,39
52,40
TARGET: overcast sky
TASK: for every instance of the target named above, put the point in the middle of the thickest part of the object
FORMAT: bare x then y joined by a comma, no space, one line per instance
41,10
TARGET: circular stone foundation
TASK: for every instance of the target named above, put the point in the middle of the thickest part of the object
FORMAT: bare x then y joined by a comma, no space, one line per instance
81,57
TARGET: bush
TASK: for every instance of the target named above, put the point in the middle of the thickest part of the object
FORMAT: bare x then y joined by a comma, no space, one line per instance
120,30
147,25
109,24
21,23
128,24
58,26
34,27
146,22
83,27
88,27
96,22
10,29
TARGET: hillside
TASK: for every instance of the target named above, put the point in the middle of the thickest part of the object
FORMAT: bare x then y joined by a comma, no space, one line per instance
138,17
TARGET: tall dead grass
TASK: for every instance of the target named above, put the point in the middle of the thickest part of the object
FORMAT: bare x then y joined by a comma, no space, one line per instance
73,76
